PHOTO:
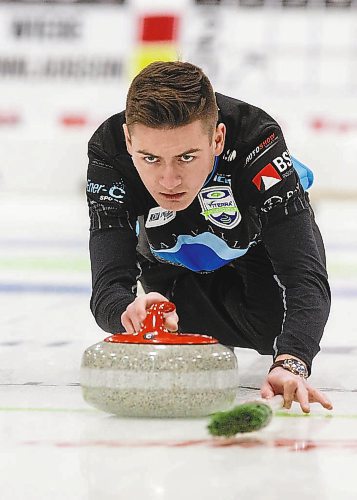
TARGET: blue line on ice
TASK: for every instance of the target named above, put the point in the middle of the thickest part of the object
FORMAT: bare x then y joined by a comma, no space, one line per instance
338,292
44,288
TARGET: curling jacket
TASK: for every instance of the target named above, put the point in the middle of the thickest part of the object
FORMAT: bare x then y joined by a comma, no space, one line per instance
254,195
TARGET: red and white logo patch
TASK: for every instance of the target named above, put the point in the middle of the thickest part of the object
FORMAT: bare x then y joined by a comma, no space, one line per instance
266,178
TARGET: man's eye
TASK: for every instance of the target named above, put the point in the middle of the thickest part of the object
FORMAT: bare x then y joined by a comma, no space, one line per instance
150,159
187,158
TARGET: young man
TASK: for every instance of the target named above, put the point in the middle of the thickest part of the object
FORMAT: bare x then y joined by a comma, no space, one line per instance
225,229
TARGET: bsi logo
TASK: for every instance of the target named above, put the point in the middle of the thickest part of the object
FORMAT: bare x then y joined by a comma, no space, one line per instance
283,162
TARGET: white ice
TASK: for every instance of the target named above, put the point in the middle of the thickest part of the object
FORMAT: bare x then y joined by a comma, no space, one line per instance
54,446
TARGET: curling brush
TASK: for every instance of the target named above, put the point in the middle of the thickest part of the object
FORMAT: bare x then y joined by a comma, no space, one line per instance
247,417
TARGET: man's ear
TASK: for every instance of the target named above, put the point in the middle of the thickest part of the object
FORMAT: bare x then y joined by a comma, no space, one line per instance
219,138
127,138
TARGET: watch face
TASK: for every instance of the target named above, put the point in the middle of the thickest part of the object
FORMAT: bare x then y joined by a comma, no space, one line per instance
296,367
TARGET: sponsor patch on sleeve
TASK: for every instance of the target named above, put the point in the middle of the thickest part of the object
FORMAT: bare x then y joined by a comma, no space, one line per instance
262,148
270,203
266,178
114,192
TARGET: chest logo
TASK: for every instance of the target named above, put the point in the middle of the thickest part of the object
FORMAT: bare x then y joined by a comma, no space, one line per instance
219,206
159,216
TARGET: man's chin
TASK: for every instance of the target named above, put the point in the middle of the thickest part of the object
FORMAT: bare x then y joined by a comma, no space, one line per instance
174,206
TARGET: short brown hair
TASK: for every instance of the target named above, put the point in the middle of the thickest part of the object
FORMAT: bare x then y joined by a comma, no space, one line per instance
171,94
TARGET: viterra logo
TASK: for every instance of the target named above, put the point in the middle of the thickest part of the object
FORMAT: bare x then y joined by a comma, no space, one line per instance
219,206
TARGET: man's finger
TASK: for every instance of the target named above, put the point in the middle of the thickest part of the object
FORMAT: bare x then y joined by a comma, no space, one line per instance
289,392
140,309
266,391
327,404
127,324
171,321
153,298
133,317
302,397
316,396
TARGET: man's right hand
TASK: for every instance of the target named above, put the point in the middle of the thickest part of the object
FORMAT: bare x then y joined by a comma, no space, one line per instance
134,315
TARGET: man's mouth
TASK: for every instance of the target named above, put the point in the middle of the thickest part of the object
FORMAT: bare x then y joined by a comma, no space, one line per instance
173,196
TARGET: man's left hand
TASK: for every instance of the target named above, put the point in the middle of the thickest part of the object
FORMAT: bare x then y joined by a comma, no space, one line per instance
293,388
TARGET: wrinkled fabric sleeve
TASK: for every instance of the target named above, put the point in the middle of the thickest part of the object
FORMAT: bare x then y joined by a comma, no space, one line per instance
112,243
295,247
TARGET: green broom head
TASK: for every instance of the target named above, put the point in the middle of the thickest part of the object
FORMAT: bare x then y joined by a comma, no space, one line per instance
247,417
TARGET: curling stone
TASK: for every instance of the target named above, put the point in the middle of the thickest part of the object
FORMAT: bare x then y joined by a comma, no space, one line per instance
157,373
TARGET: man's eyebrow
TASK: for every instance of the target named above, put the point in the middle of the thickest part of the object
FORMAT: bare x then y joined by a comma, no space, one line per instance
189,151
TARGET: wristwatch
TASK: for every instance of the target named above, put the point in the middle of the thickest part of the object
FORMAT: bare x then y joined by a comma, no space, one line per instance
292,365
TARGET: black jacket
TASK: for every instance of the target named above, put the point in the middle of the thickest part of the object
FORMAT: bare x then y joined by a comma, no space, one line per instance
254,195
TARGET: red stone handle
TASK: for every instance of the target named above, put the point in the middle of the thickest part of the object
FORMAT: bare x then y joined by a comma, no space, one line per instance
153,330
154,321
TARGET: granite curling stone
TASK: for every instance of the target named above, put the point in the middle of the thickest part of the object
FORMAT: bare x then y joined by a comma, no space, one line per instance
157,373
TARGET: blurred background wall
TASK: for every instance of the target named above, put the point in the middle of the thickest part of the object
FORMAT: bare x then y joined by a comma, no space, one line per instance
66,66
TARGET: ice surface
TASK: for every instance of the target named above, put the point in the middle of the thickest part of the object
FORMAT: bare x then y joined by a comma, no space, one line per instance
54,446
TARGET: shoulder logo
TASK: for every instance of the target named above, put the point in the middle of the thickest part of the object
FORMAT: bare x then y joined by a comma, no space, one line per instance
266,178
158,216
219,206
230,155
262,148
115,192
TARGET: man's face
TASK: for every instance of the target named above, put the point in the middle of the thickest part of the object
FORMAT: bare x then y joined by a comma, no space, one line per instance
174,163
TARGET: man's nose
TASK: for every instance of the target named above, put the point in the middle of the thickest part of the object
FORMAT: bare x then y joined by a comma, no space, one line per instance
169,179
